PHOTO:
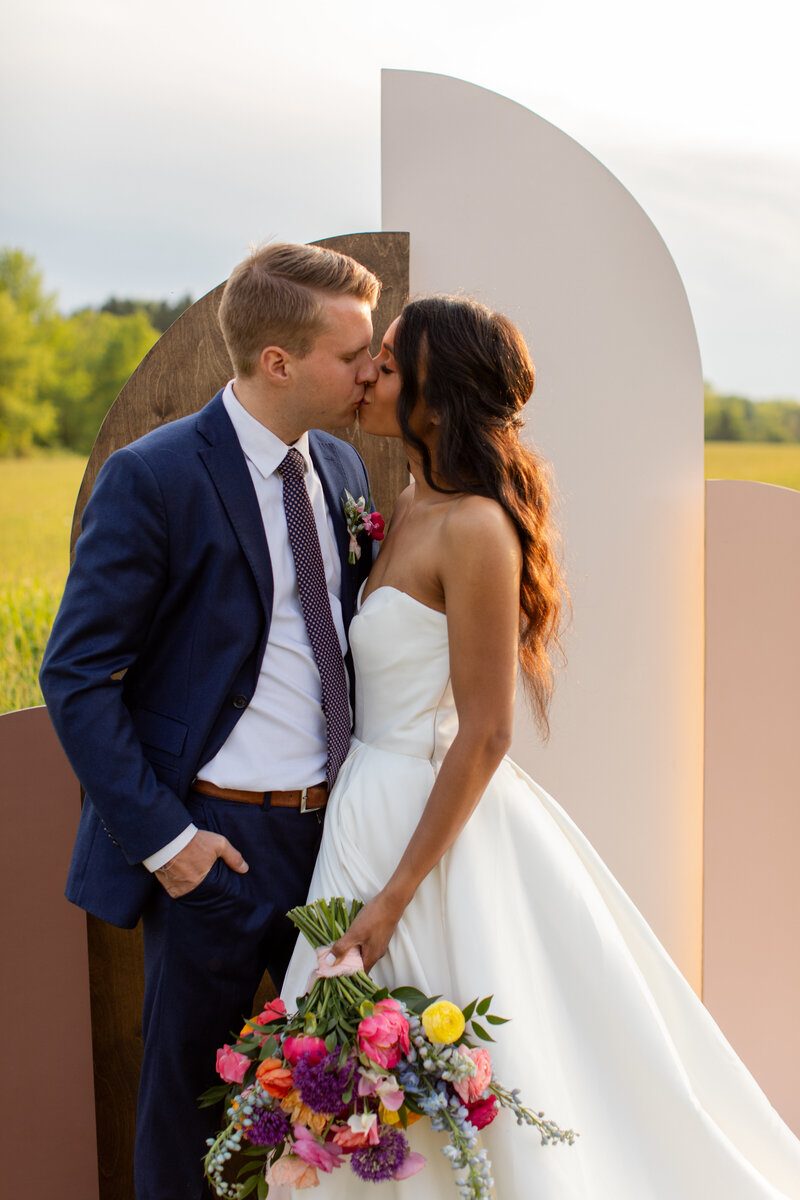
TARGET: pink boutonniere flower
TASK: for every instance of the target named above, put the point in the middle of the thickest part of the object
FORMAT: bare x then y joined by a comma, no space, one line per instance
361,517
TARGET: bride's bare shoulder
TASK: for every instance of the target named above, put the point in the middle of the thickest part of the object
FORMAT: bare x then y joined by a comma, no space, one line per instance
481,543
480,517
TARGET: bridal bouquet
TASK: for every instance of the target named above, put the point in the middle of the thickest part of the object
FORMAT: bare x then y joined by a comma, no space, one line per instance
341,1080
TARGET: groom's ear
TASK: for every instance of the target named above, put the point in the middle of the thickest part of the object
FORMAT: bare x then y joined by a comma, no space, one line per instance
274,363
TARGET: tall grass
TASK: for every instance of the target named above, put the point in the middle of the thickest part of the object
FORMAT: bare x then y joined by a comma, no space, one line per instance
27,611
37,499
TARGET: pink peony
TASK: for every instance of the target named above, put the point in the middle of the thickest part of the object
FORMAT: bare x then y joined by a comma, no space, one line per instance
472,1088
273,1011
295,1047
383,1037
482,1112
231,1066
324,1155
291,1171
410,1165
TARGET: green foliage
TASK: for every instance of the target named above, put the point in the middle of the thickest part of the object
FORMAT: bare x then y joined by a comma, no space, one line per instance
60,375
736,419
159,313
21,279
26,359
95,353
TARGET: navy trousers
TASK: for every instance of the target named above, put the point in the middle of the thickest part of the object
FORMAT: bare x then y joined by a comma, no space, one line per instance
205,954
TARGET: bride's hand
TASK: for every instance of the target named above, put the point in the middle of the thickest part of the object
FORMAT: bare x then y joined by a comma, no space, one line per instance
370,932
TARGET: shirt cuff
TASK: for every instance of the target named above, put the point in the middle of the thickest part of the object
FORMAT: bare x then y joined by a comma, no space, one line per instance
154,862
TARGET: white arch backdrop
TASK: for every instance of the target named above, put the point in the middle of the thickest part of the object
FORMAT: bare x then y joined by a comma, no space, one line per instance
504,206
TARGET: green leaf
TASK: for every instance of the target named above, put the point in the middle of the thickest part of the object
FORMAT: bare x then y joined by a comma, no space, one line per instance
263,1188
469,1010
250,1168
413,998
483,1007
331,1043
269,1049
213,1096
250,1186
493,1020
481,1032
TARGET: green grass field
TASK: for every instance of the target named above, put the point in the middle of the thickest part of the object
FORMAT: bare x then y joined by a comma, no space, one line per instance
37,498
766,462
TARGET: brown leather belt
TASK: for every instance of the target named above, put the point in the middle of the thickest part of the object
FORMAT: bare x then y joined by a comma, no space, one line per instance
306,799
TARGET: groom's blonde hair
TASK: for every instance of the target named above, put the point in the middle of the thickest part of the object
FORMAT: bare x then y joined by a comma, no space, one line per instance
276,297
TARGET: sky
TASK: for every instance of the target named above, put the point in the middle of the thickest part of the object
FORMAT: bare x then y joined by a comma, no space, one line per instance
146,145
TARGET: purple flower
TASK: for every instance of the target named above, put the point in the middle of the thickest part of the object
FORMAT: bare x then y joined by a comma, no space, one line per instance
323,1083
269,1128
376,1164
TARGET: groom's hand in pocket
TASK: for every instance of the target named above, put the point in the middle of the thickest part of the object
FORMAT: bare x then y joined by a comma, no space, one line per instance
190,866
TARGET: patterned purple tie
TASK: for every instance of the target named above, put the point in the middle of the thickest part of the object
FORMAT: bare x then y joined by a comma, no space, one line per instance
313,589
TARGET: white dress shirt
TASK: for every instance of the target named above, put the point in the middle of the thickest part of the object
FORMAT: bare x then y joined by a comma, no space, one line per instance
279,741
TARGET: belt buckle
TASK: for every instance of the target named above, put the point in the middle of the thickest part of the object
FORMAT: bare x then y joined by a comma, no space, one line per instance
304,801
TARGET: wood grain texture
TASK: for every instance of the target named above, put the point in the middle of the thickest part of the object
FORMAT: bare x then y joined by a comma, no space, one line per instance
181,373
190,363
387,256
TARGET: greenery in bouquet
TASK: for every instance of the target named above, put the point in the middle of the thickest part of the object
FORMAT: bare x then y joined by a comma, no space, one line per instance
340,1081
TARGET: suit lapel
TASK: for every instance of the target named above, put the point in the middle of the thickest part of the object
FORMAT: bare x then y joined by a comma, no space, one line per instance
225,463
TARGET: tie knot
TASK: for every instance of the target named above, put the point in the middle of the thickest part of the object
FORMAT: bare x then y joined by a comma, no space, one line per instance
293,464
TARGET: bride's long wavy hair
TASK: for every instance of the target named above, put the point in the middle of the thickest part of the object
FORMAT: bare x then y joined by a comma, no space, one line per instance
472,368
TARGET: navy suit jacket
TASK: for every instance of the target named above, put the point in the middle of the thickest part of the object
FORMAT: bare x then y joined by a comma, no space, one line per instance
157,646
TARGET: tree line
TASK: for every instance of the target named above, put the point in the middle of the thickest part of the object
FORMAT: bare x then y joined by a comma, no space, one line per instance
737,419
59,375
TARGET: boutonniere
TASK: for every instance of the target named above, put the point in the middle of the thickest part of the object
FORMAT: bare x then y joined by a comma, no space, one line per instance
361,517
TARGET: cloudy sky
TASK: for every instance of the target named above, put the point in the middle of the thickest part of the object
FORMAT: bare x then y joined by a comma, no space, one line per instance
146,144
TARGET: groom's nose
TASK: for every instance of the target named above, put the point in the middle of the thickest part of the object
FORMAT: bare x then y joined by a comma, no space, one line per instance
368,371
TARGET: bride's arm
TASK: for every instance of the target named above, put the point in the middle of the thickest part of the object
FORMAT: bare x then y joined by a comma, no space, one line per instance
480,573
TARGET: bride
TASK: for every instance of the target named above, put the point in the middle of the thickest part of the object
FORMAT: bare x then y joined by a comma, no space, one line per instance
474,879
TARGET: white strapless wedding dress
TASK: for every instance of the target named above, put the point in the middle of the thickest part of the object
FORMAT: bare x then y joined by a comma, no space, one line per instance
606,1036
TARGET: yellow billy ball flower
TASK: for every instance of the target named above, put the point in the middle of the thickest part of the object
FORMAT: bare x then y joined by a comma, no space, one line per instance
443,1022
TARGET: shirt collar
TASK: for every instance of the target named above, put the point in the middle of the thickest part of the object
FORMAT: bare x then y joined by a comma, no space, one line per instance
260,445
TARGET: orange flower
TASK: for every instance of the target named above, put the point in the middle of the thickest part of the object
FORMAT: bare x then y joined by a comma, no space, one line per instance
301,1114
274,1077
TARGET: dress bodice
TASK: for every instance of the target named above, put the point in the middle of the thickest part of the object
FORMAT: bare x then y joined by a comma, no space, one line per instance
404,701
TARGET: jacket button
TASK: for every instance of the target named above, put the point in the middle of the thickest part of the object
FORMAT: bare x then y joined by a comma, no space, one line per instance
240,701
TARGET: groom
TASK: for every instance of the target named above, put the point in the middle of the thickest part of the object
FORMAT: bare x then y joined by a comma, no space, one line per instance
196,675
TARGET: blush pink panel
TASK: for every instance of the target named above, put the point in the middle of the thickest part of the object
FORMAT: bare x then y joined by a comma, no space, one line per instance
751,966
44,990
